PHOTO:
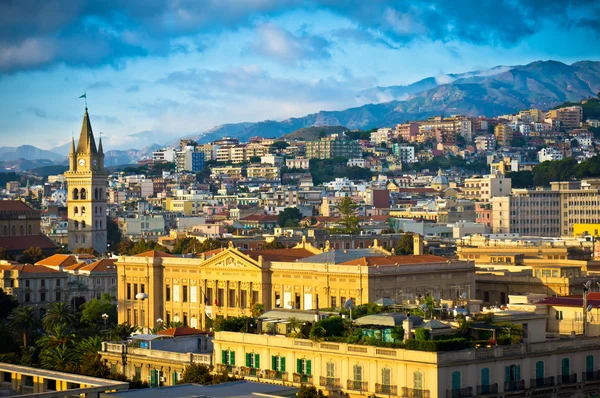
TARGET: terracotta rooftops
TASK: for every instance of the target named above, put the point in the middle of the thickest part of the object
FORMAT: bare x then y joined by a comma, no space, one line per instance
13,206
278,254
58,260
395,260
260,218
153,254
102,265
593,299
181,331
24,242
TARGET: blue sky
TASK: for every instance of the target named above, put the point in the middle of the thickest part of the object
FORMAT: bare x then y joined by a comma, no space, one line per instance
179,67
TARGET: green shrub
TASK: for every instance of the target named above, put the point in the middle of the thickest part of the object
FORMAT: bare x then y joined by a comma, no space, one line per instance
398,333
422,334
438,345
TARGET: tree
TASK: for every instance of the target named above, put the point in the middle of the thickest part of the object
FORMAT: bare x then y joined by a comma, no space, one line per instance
4,254
61,359
86,250
122,331
23,320
32,255
57,313
273,245
405,245
91,312
348,208
289,214
196,373
7,304
309,392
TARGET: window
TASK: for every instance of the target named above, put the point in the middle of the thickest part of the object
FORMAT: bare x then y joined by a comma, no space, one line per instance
330,369
57,296
42,297
129,291
333,302
357,372
485,379
565,367
83,194
589,363
244,299
27,297
228,357
22,230
456,380
13,230
513,373
185,294
386,376
43,283
135,290
303,367
539,370
278,363
168,293
176,293
194,294
83,224
418,380
559,315
142,288
27,283
57,282
75,193
98,282
82,210
231,302
252,360
76,224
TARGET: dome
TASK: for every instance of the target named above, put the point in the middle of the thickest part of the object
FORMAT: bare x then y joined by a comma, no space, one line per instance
439,179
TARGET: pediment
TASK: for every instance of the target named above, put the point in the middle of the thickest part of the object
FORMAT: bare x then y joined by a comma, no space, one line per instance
231,259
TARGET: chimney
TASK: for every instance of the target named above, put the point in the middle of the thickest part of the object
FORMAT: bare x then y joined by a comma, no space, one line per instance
417,245
407,325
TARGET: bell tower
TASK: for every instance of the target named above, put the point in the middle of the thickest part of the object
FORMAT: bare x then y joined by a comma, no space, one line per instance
86,181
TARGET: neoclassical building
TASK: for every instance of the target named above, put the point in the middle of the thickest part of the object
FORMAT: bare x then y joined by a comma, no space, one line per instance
229,282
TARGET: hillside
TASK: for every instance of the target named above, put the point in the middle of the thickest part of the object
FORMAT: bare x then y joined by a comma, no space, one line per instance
314,133
541,84
27,152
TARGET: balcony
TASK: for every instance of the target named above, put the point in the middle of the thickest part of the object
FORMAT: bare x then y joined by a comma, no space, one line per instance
488,389
330,383
414,393
356,385
248,372
460,392
542,382
386,389
275,375
567,379
224,368
302,379
591,376
518,385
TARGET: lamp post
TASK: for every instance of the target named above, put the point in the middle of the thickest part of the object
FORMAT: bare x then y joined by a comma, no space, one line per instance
141,297
105,317
159,321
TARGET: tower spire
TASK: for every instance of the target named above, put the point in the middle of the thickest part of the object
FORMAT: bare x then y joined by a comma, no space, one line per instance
86,143
100,149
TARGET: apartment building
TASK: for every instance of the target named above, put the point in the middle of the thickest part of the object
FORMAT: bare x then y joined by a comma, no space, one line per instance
487,187
263,172
503,134
569,117
549,154
329,148
164,155
297,163
485,143
405,153
382,135
459,125
407,131
231,172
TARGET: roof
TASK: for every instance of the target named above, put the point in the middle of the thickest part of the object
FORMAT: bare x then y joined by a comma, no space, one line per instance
285,255
14,206
31,269
86,143
390,319
58,260
180,331
102,265
282,314
396,260
338,256
19,243
234,389
593,299
153,254
261,218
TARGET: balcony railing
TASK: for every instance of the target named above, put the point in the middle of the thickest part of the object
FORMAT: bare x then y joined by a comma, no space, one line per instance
224,368
591,376
357,385
414,393
567,379
330,383
275,375
386,389
302,379
542,382
460,392
517,385
247,371
487,389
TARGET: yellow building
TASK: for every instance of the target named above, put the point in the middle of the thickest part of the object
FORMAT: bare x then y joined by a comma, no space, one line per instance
87,178
583,230
189,207
566,367
229,282
503,134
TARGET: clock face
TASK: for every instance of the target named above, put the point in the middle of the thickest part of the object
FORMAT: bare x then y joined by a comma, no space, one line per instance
82,162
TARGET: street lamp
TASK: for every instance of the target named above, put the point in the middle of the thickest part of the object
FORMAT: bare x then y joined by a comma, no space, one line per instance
105,317
142,297
160,322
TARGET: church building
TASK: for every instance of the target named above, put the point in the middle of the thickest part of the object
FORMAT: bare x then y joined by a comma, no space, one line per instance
86,180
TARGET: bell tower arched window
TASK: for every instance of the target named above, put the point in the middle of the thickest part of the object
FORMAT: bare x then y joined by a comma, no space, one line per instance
83,194
75,193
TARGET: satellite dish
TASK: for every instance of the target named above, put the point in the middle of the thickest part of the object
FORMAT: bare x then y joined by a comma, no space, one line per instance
589,308
348,304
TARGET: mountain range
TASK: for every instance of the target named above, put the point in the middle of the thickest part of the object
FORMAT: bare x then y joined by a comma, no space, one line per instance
490,92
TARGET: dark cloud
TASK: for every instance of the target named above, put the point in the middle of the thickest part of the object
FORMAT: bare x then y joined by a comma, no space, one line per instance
36,34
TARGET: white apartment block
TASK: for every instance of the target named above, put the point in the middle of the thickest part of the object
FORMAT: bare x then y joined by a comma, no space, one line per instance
382,135
164,155
487,187
549,154
298,163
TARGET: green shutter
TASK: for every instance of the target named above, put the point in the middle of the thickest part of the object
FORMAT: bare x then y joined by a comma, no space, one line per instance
589,363
247,360
507,373
308,371
518,372
299,366
224,356
257,361
153,378
273,362
282,364
232,358
174,378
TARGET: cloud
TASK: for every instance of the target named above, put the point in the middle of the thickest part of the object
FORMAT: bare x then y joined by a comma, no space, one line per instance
99,85
107,119
285,47
38,112
133,89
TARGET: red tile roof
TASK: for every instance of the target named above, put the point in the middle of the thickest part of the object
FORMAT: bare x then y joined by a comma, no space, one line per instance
260,218
285,255
13,206
58,260
396,260
593,299
18,243
181,331
102,265
153,254
33,269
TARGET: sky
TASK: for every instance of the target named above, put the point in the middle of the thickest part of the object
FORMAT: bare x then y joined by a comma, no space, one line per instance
177,67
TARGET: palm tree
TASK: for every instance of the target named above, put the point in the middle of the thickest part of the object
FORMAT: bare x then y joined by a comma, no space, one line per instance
59,335
90,346
57,313
22,320
61,359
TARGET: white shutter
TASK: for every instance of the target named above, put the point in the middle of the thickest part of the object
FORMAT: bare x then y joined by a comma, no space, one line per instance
193,294
176,293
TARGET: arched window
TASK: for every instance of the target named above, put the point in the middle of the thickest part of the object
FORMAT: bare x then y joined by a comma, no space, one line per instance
83,194
75,210
386,379
96,193
357,371
75,193
83,224
5,230
82,210
13,231
22,230
418,380
76,224
29,230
